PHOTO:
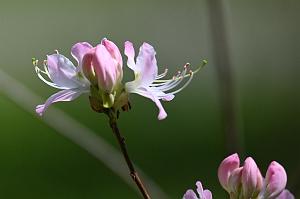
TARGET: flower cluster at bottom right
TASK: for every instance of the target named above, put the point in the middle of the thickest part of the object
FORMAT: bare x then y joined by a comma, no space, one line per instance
247,182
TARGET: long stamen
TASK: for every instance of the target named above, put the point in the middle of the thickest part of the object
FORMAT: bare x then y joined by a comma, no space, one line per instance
175,78
162,74
191,74
173,84
39,73
204,62
46,68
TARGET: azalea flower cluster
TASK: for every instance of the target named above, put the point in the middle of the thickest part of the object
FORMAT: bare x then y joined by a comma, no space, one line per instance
247,182
99,72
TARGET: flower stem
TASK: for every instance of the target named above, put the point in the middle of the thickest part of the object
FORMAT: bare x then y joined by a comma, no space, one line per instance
121,141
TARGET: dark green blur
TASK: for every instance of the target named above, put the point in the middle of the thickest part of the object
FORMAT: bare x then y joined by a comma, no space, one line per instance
263,36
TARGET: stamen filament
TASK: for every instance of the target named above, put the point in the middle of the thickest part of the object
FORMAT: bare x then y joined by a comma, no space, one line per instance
204,62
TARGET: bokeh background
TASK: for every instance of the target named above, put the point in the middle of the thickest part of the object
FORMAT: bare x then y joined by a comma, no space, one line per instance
245,100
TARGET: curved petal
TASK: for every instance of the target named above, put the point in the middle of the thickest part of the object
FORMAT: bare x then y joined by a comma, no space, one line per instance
276,179
129,52
105,68
207,194
249,178
199,188
146,65
161,95
65,95
286,194
190,194
146,93
114,51
62,71
79,50
227,166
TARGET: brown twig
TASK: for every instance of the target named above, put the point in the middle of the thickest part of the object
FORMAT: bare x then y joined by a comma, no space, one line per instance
121,140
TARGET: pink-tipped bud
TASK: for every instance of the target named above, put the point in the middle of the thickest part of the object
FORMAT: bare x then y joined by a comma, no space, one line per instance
114,52
234,182
105,62
275,180
251,179
286,194
102,65
227,166
88,69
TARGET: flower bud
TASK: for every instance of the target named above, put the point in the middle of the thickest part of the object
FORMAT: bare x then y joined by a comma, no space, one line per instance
115,54
102,65
227,166
88,68
234,182
251,179
275,180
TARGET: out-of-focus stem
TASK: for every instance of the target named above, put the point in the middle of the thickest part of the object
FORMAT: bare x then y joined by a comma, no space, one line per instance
224,73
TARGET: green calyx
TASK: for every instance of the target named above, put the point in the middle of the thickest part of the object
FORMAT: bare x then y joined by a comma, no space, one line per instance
102,100
108,99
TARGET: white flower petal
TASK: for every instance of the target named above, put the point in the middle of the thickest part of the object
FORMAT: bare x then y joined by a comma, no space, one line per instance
64,95
146,65
78,51
129,52
146,93
62,71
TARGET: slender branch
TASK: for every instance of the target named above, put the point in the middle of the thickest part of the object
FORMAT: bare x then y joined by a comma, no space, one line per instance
121,140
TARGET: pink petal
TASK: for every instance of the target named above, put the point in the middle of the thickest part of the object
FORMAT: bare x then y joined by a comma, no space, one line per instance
207,194
249,178
105,68
129,52
234,180
79,50
286,194
190,194
88,68
199,188
227,166
275,180
62,71
146,65
114,51
146,93
64,95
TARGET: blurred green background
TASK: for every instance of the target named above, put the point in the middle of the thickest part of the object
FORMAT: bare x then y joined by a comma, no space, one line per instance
263,49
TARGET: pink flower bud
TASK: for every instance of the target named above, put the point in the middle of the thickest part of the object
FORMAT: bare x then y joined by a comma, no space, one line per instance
114,52
88,69
275,180
227,166
234,181
105,62
251,179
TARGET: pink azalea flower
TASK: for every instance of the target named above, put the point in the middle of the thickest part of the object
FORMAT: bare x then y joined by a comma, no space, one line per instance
99,72
202,194
102,65
59,72
147,82
275,181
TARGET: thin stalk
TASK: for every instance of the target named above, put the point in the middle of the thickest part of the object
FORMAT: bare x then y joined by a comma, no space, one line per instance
121,141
